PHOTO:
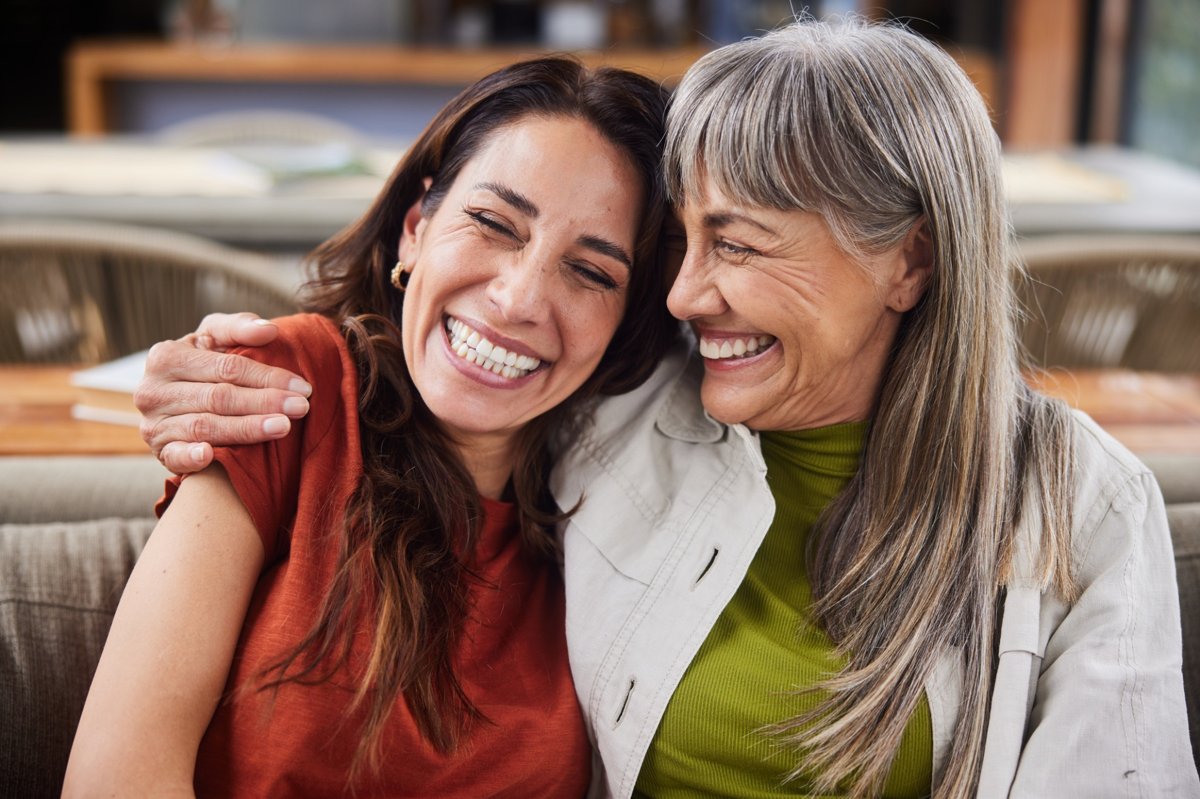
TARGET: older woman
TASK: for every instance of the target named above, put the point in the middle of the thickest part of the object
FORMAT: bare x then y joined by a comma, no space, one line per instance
846,550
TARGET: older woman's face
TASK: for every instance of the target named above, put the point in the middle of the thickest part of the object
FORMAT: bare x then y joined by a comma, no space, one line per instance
793,332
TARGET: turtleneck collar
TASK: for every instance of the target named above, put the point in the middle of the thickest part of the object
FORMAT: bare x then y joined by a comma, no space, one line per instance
822,460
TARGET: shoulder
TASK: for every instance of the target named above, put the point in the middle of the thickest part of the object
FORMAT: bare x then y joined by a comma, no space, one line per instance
312,346
1097,451
1118,510
318,461
309,344
1106,472
1114,505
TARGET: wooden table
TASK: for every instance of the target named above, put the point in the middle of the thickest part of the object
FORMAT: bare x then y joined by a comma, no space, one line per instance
35,417
1149,413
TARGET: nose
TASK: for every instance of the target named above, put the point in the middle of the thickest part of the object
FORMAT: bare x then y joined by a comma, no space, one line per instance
694,294
520,291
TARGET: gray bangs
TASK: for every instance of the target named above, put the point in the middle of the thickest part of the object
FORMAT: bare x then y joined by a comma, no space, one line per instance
804,120
731,122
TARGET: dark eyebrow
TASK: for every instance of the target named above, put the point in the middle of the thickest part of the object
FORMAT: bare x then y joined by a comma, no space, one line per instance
526,206
606,247
515,199
728,218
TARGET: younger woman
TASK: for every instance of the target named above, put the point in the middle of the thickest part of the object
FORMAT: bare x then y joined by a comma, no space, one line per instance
371,604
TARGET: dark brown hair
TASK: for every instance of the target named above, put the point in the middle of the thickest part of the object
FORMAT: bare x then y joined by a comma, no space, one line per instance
411,525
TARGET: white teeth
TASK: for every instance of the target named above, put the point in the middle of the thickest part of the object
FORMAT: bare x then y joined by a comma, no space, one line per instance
474,348
734,348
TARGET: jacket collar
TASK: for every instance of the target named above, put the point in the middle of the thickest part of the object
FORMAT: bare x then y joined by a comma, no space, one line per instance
682,417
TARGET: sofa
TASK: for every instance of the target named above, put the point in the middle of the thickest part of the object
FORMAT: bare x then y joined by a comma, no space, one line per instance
71,529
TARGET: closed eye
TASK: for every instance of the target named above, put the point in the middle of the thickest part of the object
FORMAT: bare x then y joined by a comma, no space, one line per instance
492,224
592,275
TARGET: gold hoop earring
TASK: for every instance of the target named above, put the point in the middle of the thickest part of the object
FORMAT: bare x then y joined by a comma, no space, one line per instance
400,276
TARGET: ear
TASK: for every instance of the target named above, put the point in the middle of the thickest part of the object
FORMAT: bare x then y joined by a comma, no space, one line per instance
414,225
913,269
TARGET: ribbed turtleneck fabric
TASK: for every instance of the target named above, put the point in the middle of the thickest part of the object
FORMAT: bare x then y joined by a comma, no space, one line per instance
765,647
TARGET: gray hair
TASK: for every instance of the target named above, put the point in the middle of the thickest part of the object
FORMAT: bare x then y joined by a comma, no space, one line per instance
878,130
820,117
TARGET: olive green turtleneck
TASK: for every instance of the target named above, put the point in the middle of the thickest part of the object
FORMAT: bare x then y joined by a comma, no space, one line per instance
765,645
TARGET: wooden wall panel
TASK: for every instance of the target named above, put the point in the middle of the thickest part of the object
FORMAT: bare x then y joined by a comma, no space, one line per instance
1044,57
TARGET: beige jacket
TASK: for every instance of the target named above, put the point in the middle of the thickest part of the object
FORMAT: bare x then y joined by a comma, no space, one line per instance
1088,699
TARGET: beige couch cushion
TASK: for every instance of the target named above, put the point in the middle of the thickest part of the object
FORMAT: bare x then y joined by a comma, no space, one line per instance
59,586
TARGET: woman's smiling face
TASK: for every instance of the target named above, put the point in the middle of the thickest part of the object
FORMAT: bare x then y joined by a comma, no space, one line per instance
794,333
519,276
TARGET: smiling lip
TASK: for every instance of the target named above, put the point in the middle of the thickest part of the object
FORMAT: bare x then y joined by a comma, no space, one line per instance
473,348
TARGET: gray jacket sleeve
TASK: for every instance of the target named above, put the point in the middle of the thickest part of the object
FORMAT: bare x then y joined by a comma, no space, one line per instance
1108,715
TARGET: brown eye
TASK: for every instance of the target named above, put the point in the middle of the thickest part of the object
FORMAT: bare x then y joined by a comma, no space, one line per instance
734,249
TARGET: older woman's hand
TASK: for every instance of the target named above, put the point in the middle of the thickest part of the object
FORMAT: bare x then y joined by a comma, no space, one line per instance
195,395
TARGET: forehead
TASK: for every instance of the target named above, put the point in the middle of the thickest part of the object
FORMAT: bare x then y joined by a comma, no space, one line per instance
537,142
709,206
563,160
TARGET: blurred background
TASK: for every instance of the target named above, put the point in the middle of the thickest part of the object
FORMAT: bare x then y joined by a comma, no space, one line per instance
161,159
164,159
1055,73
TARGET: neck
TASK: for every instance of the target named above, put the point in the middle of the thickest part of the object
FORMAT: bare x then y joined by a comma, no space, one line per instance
489,459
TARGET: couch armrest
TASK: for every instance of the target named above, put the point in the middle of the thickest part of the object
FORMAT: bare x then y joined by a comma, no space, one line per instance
1178,475
68,489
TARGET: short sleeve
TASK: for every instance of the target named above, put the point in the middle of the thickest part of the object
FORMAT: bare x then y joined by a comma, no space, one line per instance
274,479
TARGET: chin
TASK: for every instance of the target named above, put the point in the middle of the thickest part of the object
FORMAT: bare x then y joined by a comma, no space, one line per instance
723,412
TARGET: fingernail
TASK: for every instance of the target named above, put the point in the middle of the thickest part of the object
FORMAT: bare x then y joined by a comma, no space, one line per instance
262,322
295,406
298,386
196,453
276,425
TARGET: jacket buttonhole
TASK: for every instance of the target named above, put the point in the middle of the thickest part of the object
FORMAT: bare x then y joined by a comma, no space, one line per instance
624,703
707,567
